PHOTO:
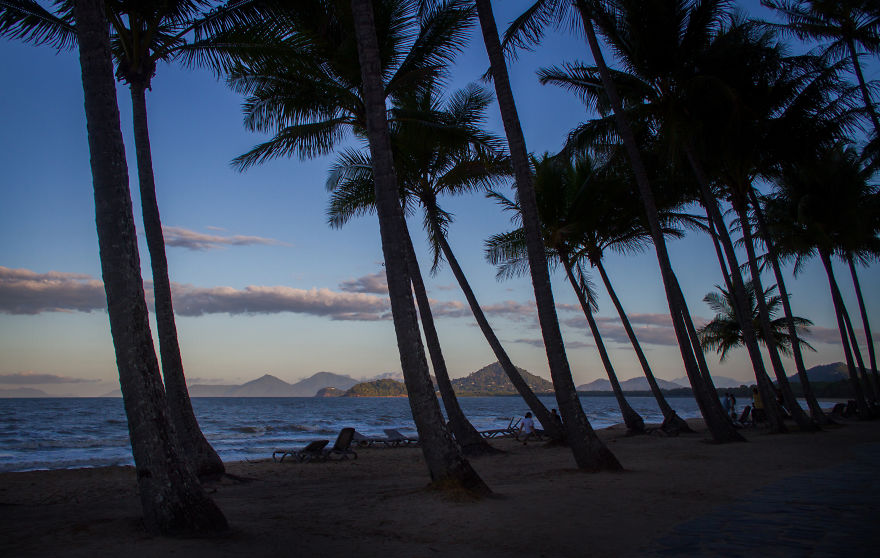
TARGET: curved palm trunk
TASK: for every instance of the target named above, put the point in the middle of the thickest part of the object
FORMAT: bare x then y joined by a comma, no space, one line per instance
465,434
541,413
816,413
635,424
671,420
798,414
839,309
741,307
866,95
198,451
864,314
447,467
171,497
857,353
716,419
588,450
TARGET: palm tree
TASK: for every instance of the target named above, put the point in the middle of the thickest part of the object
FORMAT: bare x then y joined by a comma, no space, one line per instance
563,198
528,30
448,156
144,34
817,209
171,497
846,28
724,332
589,451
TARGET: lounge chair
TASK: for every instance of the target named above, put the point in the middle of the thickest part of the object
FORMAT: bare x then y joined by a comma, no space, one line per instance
396,439
313,451
342,448
511,430
365,441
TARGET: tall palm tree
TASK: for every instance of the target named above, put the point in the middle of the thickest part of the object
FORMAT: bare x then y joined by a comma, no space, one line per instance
446,465
724,332
816,209
528,30
171,497
846,28
446,157
588,450
144,34
563,198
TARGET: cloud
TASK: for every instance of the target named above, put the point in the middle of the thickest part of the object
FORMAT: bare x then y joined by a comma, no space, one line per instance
191,240
513,310
197,301
375,283
653,329
26,292
30,378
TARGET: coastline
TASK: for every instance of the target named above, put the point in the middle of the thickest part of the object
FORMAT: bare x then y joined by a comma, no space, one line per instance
542,504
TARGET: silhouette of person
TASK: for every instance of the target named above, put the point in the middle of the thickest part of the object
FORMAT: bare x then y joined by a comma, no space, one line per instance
527,429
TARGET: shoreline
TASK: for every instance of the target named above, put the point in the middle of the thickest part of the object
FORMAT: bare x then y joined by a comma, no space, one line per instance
365,507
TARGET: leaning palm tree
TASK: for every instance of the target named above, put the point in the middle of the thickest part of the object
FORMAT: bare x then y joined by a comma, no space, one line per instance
171,497
588,450
846,29
448,156
528,30
724,332
145,34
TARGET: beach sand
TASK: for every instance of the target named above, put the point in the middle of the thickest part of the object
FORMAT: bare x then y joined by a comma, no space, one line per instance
378,505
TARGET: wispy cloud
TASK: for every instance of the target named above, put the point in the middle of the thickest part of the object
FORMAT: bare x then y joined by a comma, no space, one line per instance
653,329
192,240
23,291
375,283
538,342
34,378
831,335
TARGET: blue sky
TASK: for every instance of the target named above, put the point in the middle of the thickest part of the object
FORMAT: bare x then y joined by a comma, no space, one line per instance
262,284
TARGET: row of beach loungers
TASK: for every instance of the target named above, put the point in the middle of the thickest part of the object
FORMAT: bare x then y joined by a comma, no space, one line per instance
317,450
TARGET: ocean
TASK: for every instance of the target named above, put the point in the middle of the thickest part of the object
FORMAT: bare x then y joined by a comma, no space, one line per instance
62,433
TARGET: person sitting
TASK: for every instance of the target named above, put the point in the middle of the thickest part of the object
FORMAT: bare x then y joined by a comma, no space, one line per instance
758,414
527,429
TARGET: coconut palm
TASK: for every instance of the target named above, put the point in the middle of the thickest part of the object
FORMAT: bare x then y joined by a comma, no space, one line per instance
817,209
528,30
448,156
171,497
144,34
846,29
588,450
724,332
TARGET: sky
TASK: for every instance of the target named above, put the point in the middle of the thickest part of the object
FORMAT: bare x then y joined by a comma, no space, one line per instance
262,285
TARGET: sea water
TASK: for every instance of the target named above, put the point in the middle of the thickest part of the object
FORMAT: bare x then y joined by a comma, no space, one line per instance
60,433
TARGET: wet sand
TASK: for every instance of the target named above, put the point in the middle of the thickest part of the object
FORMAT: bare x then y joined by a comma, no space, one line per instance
379,504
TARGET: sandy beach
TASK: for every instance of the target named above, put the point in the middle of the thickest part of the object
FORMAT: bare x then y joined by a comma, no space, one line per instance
378,505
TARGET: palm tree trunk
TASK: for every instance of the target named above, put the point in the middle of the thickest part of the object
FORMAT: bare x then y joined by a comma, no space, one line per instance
541,413
857,353
717,421
863,87
447,467
465,434
635,424
171,497
671,420
798,414
867,326
839,309
588,450
741,307
198,451
816,413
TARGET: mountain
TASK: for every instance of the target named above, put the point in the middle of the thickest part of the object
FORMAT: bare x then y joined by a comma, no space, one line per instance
264,386
825,373
270,386
491,380
310,386
378,388
329,392
633,384
387,376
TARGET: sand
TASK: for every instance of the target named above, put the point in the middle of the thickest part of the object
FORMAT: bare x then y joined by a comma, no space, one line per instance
378,505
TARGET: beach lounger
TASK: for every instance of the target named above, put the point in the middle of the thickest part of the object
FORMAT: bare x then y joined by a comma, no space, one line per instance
365,441
342,448
396,439
511,430
313,451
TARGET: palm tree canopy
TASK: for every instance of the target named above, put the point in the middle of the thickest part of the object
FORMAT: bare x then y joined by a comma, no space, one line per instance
724,333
